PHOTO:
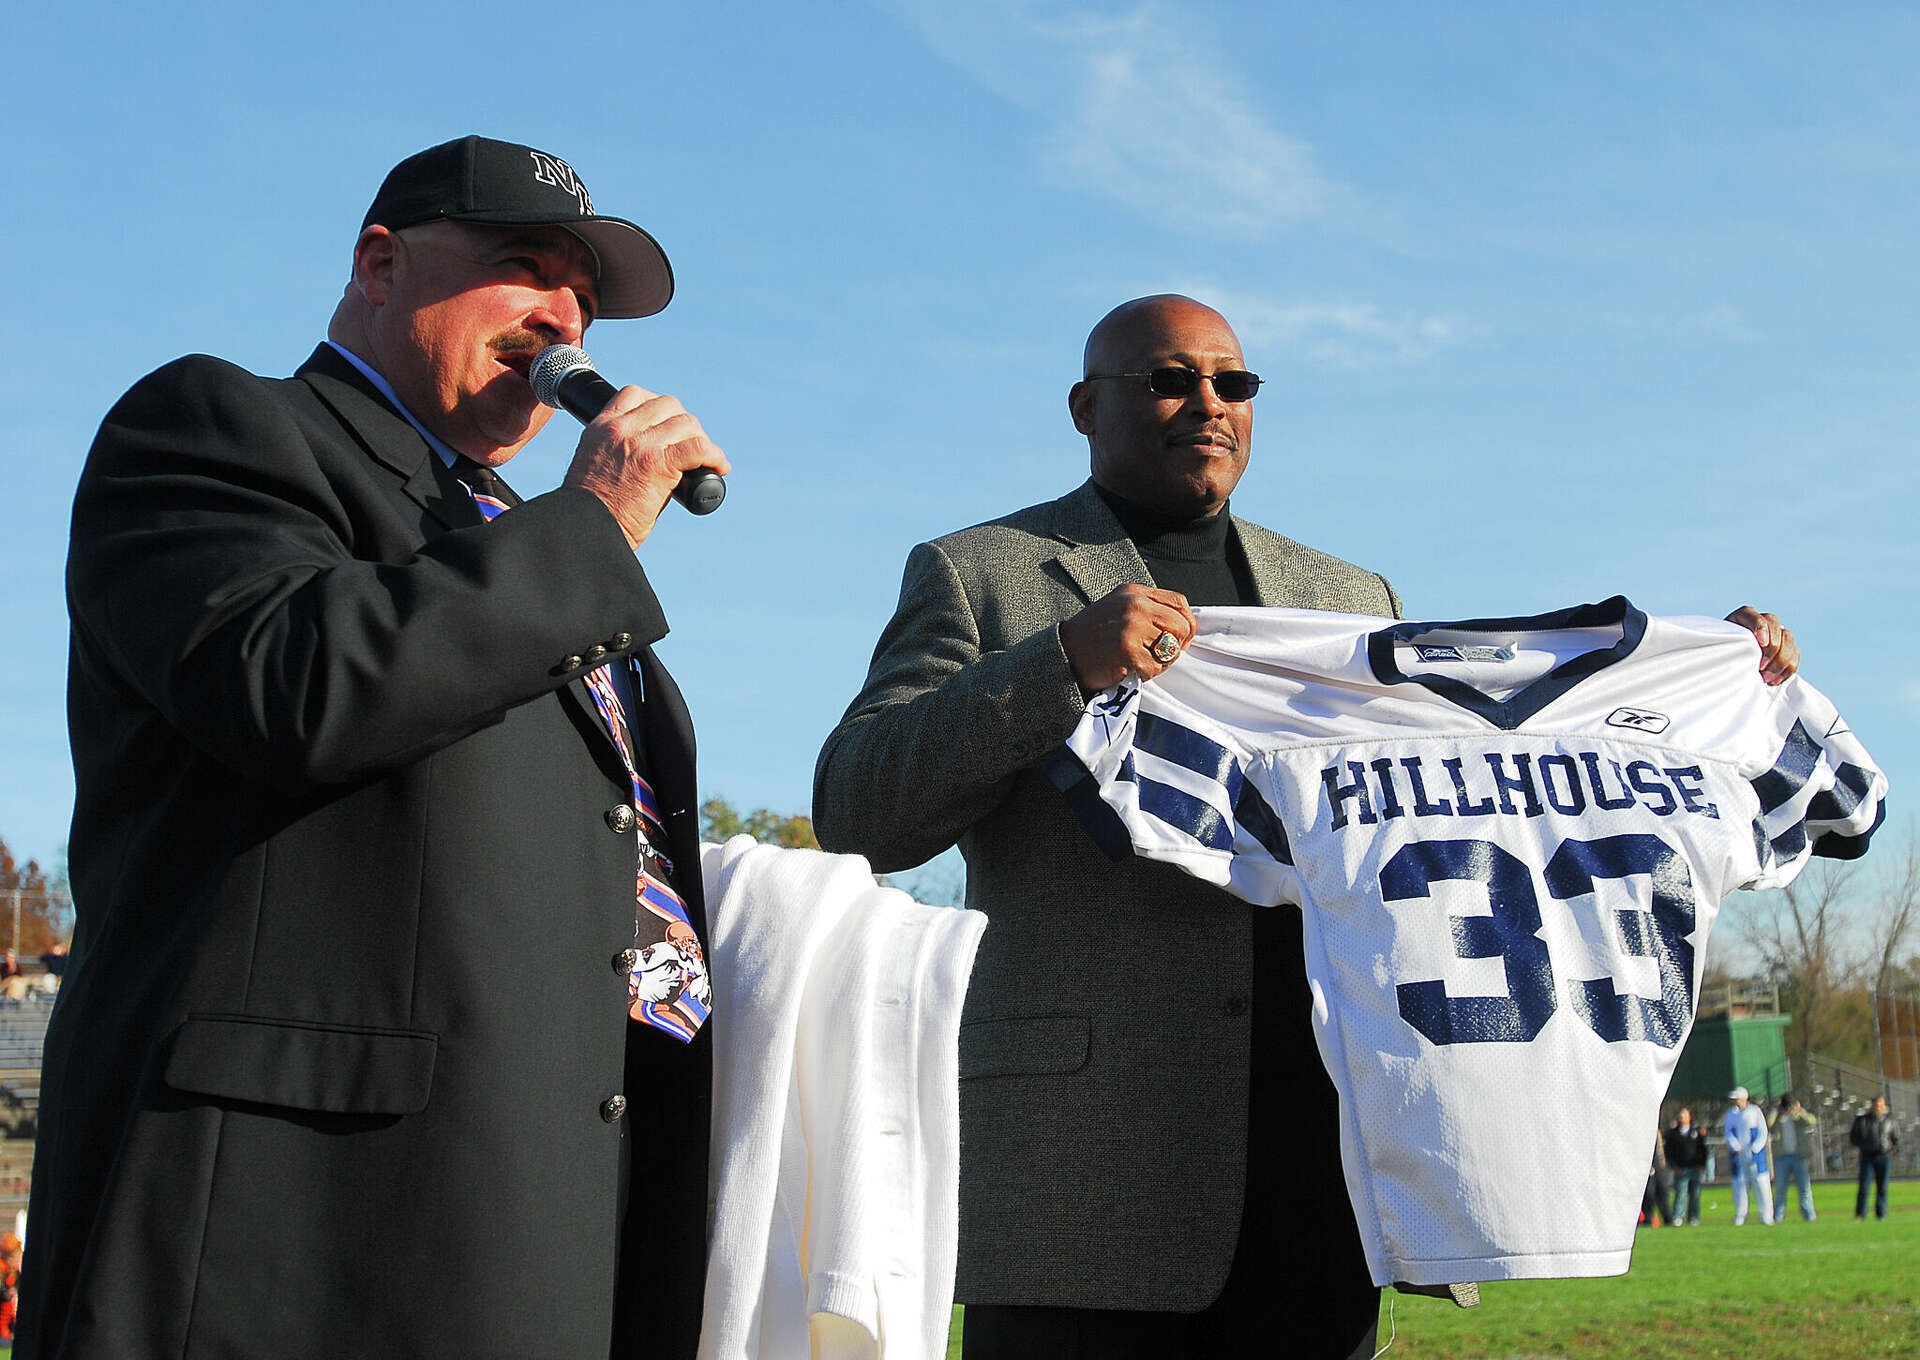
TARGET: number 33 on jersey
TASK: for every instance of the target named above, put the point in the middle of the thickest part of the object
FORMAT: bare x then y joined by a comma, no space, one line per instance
1509,839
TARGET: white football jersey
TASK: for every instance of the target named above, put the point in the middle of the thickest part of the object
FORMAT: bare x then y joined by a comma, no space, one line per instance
1509,839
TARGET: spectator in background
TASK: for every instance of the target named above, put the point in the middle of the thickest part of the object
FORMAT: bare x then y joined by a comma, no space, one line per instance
55,963
1746,1134
1873,1134
1658,1197
1796,1137
9,1285
1687,1157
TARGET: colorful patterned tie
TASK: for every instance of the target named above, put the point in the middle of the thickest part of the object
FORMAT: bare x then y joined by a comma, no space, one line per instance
667,985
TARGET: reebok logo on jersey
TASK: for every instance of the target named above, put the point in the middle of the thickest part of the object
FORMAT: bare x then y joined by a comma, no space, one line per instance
1638,719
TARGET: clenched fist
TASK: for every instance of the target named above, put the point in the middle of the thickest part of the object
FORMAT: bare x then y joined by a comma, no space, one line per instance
1779,653
1113,637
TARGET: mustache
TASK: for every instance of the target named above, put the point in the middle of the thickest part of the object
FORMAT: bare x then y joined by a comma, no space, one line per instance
519,341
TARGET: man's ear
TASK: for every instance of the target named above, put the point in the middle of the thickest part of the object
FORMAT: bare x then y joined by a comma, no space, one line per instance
373,262
1080,404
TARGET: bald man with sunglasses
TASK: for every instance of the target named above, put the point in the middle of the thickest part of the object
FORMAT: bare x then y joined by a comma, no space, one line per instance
1110,1201
1105,1123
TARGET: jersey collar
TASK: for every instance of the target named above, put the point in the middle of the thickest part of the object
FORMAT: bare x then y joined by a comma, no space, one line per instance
1509,713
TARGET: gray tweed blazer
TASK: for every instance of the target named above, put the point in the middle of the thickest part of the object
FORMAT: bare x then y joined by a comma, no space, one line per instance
1104,1051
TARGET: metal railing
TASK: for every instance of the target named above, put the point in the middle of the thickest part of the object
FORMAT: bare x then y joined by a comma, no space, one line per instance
1835,1092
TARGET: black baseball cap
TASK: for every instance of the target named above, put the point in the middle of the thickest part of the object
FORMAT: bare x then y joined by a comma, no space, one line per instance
476,179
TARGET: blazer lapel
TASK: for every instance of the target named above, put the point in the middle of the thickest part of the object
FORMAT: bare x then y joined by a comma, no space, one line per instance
1272,561
389,439
667,731
668,736
575,696
1099,557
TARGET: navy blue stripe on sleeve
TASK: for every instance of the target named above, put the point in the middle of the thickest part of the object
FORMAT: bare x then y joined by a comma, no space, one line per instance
1835,846
1184,812
1789,843
1182,746
1082,792
1850,786
1192,815
1257,819
1791,767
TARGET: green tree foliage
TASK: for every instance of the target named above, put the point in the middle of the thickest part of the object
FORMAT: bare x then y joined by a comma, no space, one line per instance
939,883
720,821
46,906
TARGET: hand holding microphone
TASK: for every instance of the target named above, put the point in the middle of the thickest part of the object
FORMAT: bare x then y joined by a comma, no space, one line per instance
638,447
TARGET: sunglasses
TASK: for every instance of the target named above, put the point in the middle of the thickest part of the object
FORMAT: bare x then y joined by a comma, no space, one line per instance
1229,384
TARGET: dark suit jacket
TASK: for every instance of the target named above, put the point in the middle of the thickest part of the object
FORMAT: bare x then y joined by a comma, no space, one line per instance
328,1067
1104,1052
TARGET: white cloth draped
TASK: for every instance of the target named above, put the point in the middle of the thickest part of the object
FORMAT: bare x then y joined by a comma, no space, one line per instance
835,1164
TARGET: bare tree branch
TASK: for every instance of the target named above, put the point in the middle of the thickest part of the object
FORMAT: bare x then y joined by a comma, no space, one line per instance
1896,922
1800,933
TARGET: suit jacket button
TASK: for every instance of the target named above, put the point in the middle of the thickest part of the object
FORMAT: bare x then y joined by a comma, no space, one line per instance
612,1108
626,961
1236,1005
572,663
620,818
620,641
594,653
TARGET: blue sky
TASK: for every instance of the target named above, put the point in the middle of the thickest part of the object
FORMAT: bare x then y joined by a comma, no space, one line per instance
1550,306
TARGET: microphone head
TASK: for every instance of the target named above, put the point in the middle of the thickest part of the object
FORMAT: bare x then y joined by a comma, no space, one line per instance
554,364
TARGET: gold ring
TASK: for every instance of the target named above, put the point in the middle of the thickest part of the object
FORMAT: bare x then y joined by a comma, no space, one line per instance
1165,648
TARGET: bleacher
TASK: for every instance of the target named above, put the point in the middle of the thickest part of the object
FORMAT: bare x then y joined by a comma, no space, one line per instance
1740,1039
1833,1092
23,1041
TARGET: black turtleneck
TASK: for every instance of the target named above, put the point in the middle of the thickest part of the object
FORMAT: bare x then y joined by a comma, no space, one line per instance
1200,558
1293,1172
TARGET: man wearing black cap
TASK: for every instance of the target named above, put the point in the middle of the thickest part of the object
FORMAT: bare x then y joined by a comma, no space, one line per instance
343,748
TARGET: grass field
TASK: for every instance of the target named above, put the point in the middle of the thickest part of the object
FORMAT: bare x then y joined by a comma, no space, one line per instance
1832,1289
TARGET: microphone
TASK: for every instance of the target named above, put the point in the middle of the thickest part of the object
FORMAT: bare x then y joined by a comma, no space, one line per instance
564,378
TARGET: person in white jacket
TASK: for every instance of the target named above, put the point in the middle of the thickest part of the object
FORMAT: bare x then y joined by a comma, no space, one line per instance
1746,1134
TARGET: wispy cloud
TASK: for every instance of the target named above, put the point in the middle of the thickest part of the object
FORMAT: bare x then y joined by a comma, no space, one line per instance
1135,109
1341,334
1141,126
1719,324
1140,107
